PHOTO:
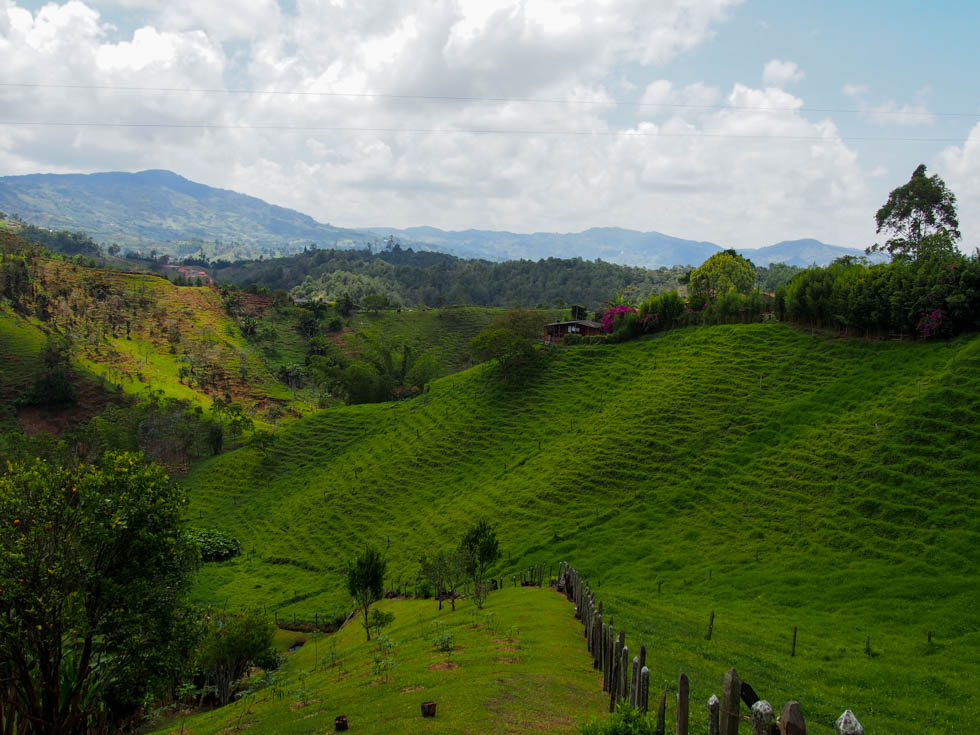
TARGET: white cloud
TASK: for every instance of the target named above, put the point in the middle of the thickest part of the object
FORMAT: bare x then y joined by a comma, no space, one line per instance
694,170
779,73
891,113
697,96
959,166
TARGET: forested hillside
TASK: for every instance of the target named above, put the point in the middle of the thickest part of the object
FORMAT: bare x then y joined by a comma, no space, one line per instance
406,278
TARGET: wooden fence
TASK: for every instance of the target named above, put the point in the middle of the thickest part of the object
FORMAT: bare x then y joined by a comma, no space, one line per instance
628,680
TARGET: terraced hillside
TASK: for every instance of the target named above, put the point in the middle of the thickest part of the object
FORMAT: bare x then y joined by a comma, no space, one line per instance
776,478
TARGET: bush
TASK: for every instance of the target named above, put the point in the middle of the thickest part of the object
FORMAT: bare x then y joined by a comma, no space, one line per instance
232,644
624,721
214,545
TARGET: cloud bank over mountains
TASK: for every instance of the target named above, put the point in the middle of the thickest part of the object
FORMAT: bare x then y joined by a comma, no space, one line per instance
376,113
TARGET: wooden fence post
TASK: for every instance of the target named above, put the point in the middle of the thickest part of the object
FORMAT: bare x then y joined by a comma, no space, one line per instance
793,652
847,724
683,704
713,706
662,714
791,719
762,718
644,695
615,673
711,624
624,675
635,682
731,696
607,654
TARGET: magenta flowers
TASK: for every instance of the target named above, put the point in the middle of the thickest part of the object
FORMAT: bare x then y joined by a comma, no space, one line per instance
610,316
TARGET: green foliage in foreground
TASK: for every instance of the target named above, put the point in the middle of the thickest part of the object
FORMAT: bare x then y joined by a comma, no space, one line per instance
777,478
624,721
93,567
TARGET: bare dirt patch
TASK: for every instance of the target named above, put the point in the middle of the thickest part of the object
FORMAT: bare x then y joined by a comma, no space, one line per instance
443,666
409,690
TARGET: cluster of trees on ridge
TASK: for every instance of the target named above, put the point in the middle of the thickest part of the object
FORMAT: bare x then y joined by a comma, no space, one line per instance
928,289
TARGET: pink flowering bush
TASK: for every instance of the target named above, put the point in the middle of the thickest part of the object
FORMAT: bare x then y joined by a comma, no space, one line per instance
932,323
610,316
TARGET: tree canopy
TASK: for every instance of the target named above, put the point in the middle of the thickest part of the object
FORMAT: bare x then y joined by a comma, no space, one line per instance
722,272
93,567
920,216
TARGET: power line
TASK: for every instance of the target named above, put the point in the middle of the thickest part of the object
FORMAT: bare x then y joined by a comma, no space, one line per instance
471,131
459,98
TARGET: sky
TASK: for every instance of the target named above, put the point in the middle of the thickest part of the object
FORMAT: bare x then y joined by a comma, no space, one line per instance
741,122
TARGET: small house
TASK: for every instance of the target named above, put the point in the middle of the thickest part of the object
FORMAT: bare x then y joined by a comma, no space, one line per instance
556,331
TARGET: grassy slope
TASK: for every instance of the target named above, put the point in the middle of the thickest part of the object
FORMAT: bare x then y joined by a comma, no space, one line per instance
857,493
20,348
151,305
520,667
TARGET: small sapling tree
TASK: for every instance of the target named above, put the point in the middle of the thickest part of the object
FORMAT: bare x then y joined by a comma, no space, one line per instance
365,582
481,550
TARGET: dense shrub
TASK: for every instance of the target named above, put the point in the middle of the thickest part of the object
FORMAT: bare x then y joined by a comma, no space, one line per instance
214,545
937,296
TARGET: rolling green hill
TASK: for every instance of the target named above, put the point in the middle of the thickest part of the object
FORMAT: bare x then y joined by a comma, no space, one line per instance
775,478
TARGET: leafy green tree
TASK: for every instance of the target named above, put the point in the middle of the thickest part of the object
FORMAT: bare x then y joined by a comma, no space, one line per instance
921,217
52,383
720,273
365,582
375,301
232,644
504,345
380,620
480,549
94,564
362,384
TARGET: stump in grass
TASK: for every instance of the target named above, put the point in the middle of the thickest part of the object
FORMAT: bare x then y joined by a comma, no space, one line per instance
428,709
340,723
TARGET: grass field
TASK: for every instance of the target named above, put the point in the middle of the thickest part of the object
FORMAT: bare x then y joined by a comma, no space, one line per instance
777,478
516,666
20,348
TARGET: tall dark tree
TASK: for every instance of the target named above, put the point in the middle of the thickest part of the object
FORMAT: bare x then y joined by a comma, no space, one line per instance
365,581
920,216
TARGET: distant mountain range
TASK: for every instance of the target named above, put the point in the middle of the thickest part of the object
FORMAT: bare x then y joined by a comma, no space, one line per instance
613,244
164,211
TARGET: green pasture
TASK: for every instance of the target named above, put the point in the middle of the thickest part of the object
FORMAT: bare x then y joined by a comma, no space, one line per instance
517,665
776,478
